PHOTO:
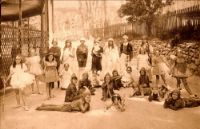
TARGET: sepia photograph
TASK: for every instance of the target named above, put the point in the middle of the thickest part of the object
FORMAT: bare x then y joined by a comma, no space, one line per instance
100,64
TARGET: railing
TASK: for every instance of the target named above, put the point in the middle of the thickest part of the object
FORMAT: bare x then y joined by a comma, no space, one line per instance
10,36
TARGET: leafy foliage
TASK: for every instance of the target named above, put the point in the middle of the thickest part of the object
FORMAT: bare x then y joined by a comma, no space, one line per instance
142,10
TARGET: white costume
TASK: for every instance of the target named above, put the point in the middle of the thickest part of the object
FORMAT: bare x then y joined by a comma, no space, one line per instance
34,65
19,77
142,61
69,58
110,59
65,78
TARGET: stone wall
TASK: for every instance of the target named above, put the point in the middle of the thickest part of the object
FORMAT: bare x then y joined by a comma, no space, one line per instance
190,51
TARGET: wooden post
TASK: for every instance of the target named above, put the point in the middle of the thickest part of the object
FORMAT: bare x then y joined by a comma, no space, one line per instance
20,23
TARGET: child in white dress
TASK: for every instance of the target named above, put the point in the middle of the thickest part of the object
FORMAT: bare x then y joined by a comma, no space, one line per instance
34,68
127,78
65,76
20,78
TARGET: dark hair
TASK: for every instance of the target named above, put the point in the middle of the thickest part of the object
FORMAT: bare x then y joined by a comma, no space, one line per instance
129,67
47,57
116,96
14,62
67,41
107,74
74,77
115,71
112,46
144,70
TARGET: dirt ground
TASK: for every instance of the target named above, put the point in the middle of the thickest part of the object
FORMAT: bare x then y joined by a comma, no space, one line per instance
139,114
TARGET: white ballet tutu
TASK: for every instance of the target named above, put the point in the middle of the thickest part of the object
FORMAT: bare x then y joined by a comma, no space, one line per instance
21,80
143,61
35,67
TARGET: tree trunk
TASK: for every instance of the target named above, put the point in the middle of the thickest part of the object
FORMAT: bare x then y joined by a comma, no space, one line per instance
149,28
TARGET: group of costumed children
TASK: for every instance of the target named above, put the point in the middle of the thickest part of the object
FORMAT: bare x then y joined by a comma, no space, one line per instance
78,92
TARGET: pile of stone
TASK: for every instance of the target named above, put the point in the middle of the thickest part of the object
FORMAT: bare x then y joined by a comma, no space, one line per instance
190,51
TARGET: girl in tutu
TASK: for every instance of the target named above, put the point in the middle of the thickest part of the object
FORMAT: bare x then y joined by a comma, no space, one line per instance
179,69
51,73
65,76
20,78
34,68
158,67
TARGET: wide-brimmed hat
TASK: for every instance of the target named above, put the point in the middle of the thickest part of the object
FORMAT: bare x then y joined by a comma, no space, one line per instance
82,39
125,37
111,39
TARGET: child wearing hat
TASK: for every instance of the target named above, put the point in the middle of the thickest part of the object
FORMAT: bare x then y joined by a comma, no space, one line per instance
51,73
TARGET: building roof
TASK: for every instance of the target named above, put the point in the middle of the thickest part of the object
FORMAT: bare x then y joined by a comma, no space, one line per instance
10,9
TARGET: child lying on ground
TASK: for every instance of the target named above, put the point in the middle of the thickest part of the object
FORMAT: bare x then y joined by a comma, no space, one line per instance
117,103
175,102
80,105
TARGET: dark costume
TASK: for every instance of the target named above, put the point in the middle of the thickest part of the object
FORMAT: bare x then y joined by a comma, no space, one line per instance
180,102
82,54
117,83
71,93
127,50
73,106
86,83
107,90
96,58
143,85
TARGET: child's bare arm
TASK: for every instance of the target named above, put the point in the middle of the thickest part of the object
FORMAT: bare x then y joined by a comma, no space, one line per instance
84,107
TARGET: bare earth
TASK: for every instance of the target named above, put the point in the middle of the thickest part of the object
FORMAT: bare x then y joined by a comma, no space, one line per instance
139,114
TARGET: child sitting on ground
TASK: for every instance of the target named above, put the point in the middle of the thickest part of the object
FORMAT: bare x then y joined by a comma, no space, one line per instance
87,83
143,85
72,90
127,78
117,103
80,105
95,81
107,87
175,102
117,83
65,75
